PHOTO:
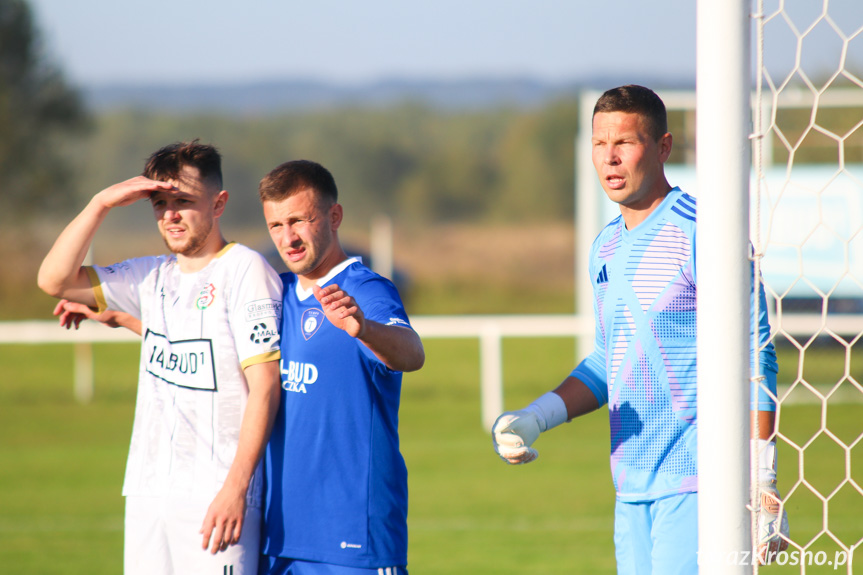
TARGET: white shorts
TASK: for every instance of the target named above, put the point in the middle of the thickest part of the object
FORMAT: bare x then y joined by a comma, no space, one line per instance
163,535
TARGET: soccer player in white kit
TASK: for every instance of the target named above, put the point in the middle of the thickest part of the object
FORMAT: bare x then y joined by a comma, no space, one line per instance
209,380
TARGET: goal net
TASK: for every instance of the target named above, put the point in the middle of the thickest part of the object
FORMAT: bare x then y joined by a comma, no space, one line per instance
807,233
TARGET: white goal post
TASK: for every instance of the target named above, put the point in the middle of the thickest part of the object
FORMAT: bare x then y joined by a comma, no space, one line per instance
722,167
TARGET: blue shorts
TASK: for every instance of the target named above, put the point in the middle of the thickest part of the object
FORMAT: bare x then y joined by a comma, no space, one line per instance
657,537
269,565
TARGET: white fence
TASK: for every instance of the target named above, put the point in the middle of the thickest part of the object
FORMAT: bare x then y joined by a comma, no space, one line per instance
488,329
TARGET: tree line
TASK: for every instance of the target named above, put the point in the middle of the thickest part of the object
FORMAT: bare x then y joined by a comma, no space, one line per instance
410,162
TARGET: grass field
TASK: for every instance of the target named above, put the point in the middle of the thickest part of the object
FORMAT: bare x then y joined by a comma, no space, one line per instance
61,468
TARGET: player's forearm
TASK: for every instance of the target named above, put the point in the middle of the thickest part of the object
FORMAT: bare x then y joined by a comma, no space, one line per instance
126,320
577,397
261,408
766,424
60,274
398,347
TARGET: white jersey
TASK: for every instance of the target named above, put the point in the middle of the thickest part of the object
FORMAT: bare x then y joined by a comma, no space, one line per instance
199,330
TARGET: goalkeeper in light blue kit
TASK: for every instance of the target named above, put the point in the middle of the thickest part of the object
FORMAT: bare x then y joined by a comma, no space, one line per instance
644,362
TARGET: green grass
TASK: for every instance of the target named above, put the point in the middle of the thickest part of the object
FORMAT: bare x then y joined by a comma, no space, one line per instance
62,464
459,296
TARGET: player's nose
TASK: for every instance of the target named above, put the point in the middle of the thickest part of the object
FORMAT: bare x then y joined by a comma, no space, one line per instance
288,237
171,215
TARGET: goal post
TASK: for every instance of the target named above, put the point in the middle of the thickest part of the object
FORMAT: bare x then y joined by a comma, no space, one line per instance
722,179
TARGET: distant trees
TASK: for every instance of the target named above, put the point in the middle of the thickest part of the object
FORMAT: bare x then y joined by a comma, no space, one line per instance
38,109
412,162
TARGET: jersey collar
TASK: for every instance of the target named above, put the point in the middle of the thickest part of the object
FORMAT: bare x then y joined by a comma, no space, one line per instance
304,294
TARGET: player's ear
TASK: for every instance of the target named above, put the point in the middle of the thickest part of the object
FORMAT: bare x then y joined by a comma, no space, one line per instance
336,215
219,203
665,147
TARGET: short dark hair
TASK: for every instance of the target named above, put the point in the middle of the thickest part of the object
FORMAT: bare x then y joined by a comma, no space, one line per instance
291,177
166,163
633,99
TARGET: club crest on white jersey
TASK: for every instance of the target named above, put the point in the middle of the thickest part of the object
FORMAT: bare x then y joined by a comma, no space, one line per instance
311,322
206,297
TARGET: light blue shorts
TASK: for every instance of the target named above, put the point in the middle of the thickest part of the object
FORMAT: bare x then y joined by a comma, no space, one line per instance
657,537
269,565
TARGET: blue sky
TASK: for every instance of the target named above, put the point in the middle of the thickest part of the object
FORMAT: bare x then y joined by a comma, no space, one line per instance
353,41
184,41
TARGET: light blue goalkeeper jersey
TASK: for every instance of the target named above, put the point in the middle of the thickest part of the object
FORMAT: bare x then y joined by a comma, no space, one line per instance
644,361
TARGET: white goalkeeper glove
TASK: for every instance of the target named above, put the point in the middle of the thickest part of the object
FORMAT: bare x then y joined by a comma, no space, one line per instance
514,432
772,527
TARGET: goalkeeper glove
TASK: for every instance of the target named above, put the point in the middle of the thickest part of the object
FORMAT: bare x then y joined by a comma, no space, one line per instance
772,519
514,432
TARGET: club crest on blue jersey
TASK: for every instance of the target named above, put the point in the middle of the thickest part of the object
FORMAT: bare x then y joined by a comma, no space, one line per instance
311,322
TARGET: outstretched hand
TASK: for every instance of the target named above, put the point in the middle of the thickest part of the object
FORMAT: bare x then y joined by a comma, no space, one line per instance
71,315
341,309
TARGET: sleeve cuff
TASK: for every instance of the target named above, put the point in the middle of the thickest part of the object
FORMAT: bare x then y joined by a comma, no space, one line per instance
550,410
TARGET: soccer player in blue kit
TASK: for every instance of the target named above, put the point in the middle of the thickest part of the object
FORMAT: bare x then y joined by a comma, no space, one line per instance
336,496
644,361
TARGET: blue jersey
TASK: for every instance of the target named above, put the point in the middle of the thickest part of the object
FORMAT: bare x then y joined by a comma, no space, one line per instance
644,361
336,480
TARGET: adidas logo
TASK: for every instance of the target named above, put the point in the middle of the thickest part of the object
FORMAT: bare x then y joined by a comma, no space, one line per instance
602,278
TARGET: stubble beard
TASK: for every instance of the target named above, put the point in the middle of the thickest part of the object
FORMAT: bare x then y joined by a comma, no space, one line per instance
190,245
305,265
314,255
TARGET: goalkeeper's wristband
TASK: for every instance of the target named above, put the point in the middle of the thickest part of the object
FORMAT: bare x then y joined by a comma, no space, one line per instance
549,409
766,459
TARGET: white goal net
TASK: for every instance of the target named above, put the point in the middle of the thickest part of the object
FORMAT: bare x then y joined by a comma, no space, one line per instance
807,233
